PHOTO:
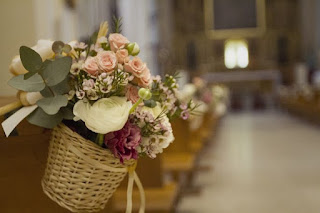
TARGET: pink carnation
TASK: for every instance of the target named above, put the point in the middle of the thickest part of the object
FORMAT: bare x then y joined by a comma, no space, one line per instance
123,143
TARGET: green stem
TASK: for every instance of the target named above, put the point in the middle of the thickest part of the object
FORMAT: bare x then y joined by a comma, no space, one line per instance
135,105
99,139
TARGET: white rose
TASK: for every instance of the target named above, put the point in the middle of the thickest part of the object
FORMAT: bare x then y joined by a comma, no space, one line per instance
43,47
105,115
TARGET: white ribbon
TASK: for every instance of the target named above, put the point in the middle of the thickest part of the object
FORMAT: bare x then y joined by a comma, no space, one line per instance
9,124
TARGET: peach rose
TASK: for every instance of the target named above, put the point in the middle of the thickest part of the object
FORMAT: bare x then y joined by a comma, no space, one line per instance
117,41
122,56
107,60
132,93
91,66
145,79
135,66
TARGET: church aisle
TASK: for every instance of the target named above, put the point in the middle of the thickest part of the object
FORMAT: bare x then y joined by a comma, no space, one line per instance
263,163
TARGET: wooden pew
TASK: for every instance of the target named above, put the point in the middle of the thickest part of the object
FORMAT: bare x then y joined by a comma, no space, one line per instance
305,109
22,164
179,157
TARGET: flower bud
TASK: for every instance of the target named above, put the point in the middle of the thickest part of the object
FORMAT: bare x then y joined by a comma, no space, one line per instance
103,75
133,49
144,93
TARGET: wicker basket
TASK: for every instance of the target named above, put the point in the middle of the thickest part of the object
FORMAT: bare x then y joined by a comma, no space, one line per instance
80,175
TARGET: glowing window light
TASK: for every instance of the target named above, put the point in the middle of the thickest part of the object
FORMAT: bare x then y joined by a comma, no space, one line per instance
236,54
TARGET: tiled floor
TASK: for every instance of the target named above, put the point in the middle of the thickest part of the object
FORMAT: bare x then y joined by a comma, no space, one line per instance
263,163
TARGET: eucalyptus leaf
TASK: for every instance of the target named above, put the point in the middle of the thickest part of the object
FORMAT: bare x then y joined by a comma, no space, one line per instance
57,46
52,105
33,84
150,103
28,75
59,89
30,59
67,113
67,48
57,70
40,118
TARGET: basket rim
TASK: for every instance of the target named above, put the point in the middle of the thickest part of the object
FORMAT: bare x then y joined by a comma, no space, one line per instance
66,129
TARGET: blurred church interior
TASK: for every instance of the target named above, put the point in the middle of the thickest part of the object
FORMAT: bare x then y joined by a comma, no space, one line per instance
260,155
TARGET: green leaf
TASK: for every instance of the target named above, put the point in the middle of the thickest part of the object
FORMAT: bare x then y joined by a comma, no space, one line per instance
40,118
59,89
150,103
67,113
33,84
52,105
66,48
28,75
31,61
117,24
57,70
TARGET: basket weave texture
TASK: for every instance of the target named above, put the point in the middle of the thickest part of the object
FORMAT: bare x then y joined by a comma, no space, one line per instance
76,177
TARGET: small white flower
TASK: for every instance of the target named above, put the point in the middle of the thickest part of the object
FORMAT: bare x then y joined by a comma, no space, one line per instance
75,68
80,94
92,95
71,94
88,84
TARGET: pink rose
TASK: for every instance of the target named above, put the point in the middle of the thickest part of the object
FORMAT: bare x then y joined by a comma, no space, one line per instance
91,66
117,41
107,60
122,56
136,67
145,79
132,93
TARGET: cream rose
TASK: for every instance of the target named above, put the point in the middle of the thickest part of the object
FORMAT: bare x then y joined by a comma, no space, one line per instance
105,115
43,47
107,60
122,56
91,66
117,41
136,67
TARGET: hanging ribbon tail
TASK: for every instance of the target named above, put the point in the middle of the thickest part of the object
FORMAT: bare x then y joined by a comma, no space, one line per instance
10,123
133,177
141,191
129,192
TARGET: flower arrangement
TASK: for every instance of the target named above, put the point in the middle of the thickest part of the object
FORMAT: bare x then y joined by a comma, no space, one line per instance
104,85
101,92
